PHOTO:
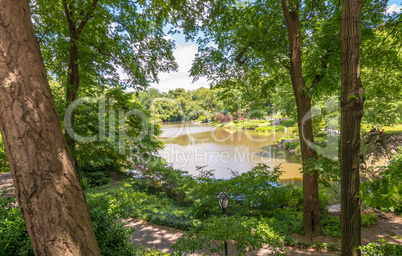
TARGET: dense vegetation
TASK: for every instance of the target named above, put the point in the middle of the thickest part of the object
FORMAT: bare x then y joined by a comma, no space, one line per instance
244,52
261,210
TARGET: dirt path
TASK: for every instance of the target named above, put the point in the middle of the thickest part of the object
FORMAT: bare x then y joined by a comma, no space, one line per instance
6,181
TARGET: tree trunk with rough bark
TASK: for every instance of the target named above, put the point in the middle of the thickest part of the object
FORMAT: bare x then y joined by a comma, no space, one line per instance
311,210
49,194
352,99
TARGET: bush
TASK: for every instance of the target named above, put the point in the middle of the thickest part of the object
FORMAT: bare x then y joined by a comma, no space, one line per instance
382,248
91,177
171,182
124,200
217,117
288,123
295,130
112,237
256,191
369,219
291,145
203,119
248,234
274,128
330,226
386,192
14,239
4,165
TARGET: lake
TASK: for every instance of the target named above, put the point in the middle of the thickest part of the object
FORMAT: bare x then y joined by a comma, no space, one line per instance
190,145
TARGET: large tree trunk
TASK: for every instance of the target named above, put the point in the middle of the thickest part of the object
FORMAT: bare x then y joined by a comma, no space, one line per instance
51,199
311,210
352,98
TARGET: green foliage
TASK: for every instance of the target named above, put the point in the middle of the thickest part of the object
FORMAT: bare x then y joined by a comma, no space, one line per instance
126,200
288,123
112,237
118,141
331,226
291,145
166,179
329,170
115,35
14,239
368,219
274,128
382,248
256,191
91,176
386,192
248,233
4,165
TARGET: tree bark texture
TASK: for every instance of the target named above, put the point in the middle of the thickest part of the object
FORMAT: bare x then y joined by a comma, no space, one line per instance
352,99
311,210
49,194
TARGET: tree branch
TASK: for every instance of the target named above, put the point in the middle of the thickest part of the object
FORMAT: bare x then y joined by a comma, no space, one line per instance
86,18
100,50
318,77
241,54
393,30
69,16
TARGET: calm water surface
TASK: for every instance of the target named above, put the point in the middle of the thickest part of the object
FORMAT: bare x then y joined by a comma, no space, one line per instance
190,145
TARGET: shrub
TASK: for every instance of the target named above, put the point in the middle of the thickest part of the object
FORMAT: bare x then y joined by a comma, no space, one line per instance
291,145
369,219
295,130
124,200
217,117
386,192
226,119
382,248
203,119
248,234
275,128
14,239
330,226
288,123
256,191
4,165
112,237
166,179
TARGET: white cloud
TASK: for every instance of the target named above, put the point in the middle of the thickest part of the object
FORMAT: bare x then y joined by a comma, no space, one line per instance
184,57
394,8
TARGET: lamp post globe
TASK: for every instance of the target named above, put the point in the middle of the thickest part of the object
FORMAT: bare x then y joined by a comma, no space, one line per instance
223,200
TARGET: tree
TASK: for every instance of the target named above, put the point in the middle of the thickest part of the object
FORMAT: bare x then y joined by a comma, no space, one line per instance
352,99
95,41
251,39
50,196
311,205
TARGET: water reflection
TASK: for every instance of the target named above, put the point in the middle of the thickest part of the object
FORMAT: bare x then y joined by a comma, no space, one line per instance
188,146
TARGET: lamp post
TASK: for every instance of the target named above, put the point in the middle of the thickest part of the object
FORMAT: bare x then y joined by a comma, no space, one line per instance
223,200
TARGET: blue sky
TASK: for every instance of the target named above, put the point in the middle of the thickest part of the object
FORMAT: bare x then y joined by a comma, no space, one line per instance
185,53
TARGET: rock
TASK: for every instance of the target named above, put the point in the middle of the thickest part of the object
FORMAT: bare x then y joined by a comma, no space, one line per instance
380,149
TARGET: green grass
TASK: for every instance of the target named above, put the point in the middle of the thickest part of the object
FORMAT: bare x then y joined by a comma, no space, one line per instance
391,129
